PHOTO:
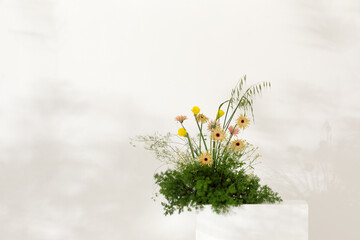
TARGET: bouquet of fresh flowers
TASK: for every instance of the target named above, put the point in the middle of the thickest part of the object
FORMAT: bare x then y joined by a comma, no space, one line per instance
215,166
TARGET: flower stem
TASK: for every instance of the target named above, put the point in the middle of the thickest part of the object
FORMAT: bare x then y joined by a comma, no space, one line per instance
227,110
200,138
231,134
213,153
201,135
188,137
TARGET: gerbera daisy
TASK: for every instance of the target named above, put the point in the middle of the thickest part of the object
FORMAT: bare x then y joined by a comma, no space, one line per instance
243,122
201,118
180,118
205,159
218,135
213,125
237,145
233,131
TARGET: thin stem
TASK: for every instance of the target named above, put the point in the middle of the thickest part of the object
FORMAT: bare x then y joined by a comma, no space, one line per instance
200,138
188,137
232,115
201,135
192,150
213,153
227,110
217,146
196,148
231,134
217,113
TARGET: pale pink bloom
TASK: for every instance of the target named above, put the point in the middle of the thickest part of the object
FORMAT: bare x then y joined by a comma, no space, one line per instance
212,125
180,118
233,130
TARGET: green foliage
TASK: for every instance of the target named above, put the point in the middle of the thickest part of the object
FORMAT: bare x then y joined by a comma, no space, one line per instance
193,185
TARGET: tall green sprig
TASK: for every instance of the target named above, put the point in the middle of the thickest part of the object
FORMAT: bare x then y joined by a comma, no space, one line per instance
242,99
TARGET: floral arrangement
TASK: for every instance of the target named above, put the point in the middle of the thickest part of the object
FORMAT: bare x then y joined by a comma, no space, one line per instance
215,166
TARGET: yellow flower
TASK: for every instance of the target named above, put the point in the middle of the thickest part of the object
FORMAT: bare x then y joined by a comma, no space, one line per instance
243,122
237,145
201,118
182,132
205,159
218,135
195,110
220,113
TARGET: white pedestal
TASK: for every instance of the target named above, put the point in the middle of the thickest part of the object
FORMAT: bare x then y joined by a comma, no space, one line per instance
285,221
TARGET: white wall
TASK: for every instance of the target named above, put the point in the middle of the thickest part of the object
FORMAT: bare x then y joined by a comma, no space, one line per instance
78,78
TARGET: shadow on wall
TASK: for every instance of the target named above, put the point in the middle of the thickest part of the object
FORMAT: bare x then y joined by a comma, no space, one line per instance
326,178
325,21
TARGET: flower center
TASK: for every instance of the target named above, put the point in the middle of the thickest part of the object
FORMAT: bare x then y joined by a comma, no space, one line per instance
242,121
205,159
237,144
218,134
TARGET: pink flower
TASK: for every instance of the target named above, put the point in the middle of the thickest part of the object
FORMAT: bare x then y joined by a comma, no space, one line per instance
213,125
180,118
233,131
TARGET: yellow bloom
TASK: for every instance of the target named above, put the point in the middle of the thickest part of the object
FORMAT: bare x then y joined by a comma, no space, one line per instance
182,132
218,135
201,118
195,110
237,145
243,122
220,113
205,159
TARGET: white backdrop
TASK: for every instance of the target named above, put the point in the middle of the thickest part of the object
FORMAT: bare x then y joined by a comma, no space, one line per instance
79,78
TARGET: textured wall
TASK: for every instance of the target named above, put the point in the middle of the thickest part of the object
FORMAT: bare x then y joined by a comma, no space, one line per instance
78,78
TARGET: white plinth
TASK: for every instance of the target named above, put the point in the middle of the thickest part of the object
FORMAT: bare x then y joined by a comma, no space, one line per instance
285,221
